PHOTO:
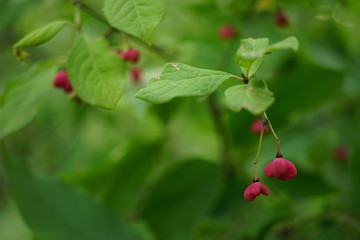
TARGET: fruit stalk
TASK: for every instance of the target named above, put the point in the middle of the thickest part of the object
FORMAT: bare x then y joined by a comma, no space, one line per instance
268,123
258,152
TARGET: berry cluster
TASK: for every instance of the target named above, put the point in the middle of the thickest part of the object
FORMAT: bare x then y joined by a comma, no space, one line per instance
279,167
131,55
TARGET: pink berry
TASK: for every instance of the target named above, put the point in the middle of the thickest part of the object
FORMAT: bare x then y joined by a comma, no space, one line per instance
256,127
254,190
281,19
62,81
227,32
135,74
67,86
131,55
341,153
281,169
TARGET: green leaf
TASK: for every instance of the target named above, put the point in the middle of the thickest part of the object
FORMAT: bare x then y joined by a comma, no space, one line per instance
252,52
287,43
56,211
96,74
181,80
36,37
135,17
18,102
181,198
252,49
254,97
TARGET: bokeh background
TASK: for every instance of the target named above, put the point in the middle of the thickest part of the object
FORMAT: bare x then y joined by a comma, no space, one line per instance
146,171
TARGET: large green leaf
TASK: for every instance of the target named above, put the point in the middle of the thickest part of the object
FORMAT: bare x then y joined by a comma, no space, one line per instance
97,75
252,52
18,101
254,97
37,37
181,198
136,17
181,80
56,211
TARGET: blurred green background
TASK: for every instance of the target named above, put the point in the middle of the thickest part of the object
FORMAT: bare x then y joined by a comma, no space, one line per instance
154,172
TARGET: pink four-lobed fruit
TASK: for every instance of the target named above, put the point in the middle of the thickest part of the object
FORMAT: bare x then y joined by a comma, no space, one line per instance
254,190
61,80
256,127
136,75
131,55
227,32
280,168
281,19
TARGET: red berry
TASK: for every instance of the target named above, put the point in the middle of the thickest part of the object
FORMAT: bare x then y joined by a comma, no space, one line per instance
131,55
67,86
227,32
256,127
254,190
281,19
341,153
135,74
62,81
281,169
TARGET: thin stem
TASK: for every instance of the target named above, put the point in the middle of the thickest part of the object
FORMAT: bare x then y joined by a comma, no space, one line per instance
258,152
266,119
